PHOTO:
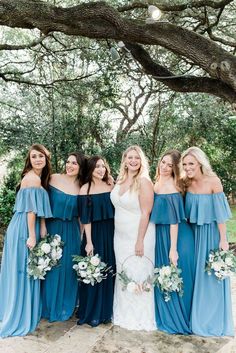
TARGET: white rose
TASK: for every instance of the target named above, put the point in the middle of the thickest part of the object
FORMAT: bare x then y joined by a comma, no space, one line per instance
82,265
131,287
59,253
95,261
54,254
46,248
58,237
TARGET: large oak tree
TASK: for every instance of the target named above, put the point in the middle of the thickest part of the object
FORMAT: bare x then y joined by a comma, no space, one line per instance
198,32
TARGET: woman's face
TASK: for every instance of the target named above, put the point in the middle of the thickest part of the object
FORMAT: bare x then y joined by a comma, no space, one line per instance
191,166
99,170
166,166
133,161
72,166
37,160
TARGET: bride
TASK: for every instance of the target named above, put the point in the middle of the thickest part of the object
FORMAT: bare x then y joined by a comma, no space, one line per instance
134,241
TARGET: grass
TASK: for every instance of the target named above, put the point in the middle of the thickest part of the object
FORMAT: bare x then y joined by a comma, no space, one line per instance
231,226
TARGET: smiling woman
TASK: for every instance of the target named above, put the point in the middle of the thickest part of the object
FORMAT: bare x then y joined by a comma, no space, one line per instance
60,288
20,308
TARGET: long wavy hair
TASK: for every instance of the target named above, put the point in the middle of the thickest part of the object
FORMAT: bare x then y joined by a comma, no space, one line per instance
143,170
91,165
202,159
47,170
175,157
82,162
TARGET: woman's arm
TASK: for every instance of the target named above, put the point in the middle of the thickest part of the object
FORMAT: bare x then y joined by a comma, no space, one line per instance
173,254
31,241
43,228
223,244
146,203
89,245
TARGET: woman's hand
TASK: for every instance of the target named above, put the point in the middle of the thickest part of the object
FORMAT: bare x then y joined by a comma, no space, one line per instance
139,248
89,249
224,245
31,242
173,256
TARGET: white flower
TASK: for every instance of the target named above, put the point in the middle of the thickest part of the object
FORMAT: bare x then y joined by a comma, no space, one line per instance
46,248
216,266
160,280
229,261
87,281
131,287
54,254
82,265
95,261
83,274
165,271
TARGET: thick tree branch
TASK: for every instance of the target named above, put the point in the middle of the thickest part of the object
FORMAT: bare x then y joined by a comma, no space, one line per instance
98,20
177,7
23,46
180,83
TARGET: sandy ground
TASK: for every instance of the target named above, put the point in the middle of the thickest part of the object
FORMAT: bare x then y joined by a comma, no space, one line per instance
67,337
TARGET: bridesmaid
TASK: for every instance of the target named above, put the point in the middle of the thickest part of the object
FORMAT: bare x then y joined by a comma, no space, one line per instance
20,307
207,210
174,244
97,215
60,288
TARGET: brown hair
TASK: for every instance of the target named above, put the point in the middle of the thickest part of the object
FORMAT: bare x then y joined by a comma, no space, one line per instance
91,165
82,162
46,172
175,156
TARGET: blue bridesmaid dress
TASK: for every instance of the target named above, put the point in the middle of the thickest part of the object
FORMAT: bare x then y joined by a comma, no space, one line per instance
96,302
211,308
173,316
20,305
60,287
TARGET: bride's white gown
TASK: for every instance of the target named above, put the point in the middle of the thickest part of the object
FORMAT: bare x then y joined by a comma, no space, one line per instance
130,310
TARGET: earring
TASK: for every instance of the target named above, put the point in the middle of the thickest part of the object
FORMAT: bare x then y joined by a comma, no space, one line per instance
126,167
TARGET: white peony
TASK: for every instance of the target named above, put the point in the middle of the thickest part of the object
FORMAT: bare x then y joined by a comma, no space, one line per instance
131,287
46,248
95,261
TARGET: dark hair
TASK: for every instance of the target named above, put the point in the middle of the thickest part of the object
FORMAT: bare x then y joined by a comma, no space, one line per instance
82,162
46,172
175,156
91,165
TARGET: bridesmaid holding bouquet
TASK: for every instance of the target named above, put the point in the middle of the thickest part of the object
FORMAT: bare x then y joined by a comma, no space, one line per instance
207,210
60,288
174,245
20,307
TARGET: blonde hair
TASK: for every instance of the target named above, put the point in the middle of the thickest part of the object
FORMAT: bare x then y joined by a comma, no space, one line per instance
142,172
202,159
175,157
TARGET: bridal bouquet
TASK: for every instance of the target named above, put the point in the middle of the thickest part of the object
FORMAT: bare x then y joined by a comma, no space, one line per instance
168,279
133,285
90,269
222,263
45,255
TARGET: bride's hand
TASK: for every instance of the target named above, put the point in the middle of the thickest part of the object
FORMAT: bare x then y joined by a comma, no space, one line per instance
139,248
89,249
